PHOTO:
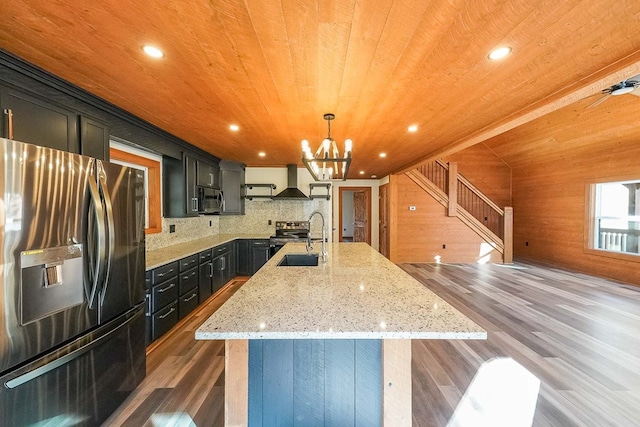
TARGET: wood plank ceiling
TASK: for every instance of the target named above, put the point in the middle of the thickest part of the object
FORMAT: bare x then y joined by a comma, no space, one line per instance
274,68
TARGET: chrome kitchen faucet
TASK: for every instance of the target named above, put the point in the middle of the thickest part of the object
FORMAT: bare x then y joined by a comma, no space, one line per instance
310,246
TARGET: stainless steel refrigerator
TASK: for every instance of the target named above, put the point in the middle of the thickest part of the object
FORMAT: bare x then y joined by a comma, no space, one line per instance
72,344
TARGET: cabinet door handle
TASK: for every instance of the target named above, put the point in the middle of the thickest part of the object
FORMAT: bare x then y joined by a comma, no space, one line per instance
191,297
164,274
8,114
170,311
166,289
211,179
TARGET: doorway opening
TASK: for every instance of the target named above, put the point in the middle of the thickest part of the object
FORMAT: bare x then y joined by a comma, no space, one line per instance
354,214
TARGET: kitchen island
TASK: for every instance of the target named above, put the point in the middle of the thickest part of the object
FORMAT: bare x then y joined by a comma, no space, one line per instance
328,344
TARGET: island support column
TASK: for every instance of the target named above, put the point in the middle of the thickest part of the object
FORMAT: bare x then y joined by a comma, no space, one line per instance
236,389
396,374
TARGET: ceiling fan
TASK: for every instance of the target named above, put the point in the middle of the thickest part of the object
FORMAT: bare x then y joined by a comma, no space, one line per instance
626,86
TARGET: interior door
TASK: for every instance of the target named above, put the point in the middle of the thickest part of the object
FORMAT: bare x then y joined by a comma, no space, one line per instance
361,217
384,220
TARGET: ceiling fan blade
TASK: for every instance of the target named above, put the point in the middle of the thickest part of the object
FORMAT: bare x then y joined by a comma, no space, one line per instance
599,100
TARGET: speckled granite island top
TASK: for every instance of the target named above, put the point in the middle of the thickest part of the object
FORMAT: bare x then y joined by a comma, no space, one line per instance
357,294
159,257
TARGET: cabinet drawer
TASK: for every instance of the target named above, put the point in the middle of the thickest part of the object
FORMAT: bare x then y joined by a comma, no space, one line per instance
188,262
219,250
163,273
164,320
188,280
188,302
205,256
163,294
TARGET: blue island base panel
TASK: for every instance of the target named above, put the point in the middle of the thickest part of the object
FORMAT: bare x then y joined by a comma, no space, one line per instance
315,383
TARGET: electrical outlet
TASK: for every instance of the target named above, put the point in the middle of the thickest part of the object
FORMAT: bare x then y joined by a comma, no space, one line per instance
444,246
172,228
526,243
269,222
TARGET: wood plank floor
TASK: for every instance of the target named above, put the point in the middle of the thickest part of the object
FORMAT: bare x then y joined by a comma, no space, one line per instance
579,335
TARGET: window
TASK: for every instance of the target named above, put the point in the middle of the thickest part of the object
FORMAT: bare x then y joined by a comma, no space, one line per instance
615,220
151,168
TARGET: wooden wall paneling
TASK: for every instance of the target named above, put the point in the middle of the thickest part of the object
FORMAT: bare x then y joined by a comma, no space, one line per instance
486,171
418,235
550,205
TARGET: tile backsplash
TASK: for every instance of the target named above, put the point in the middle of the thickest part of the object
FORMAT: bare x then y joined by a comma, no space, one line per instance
255,221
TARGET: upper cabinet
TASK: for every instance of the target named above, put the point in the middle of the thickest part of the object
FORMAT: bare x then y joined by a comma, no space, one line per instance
232,185
181,181
28,118
208,175
180,196
94,138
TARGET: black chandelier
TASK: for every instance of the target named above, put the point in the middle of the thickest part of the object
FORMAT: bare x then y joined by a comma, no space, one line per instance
326,164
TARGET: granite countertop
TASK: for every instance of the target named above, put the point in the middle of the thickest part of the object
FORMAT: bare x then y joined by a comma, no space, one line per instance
159,257
357,294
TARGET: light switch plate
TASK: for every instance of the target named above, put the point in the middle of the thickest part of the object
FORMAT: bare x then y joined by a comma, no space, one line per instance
412,208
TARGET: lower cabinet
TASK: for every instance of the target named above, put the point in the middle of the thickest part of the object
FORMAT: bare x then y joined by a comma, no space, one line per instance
243,257
205,276
176,289
259,254
162,300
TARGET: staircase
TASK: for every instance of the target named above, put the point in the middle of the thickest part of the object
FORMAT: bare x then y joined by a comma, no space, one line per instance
464,201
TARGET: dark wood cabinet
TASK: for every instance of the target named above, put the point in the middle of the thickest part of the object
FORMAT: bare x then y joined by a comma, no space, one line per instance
31,119
232,184
180,197
208,175
94,138
175,289
162,300
259,254
205,276
243,257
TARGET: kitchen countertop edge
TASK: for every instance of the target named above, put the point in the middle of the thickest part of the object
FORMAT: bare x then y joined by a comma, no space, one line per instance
159,257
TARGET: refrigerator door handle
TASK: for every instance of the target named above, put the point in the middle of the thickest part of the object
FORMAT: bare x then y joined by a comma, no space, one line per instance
110,230
55,364
98,266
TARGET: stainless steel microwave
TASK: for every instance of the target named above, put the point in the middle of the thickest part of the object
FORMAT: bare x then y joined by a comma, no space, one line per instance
210,201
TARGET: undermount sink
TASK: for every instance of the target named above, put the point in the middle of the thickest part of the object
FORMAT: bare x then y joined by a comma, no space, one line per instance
299,260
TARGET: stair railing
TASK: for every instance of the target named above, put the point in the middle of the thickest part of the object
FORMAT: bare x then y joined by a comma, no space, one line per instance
478,211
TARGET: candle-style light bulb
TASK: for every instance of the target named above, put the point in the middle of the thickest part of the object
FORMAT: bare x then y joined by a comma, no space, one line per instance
347,146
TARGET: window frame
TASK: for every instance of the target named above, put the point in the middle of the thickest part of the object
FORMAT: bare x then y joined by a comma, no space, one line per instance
153,185
590,219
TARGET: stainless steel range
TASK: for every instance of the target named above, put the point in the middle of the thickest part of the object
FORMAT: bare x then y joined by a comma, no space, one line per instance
288,231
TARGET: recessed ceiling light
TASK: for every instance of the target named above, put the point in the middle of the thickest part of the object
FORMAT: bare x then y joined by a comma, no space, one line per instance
374,176
361,172
383,154
234,128
499,53
153,51
262,154
412,128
